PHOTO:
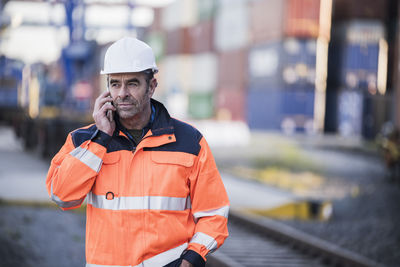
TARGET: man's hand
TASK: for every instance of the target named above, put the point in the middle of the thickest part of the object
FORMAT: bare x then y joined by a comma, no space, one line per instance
101,106
185,263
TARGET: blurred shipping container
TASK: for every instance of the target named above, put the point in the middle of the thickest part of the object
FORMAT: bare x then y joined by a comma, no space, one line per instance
263,109
177,103
360,66
257,61
177,73
265,66
157,20
302,18
358,44
201,105
288,64
376,110
266,20
180,13
360,9
232,69
231,104
156,40
202,37
206,9
178,41
290,111
298,102
299,63
297,109
350,113
357,113
205,72
231,25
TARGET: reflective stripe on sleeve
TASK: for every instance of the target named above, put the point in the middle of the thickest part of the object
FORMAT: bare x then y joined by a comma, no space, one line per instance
224,211
139,203
88,158
158,260
205,240
65,204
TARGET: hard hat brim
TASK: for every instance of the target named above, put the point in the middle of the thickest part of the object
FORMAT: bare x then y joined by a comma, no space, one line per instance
103,72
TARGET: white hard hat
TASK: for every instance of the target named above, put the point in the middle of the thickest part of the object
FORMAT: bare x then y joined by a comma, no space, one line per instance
129,55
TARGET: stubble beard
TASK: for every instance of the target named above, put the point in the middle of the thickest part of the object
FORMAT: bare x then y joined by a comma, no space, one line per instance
129,113
137,106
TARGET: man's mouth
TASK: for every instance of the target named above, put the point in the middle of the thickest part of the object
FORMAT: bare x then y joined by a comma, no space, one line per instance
125,104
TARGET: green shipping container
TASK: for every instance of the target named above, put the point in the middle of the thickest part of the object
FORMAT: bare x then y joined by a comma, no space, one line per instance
201,105
156,40
206,9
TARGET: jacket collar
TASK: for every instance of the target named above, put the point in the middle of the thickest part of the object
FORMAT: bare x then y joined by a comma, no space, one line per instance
160,123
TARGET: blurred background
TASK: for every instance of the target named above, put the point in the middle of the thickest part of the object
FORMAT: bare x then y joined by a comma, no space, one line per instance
312,66
297,96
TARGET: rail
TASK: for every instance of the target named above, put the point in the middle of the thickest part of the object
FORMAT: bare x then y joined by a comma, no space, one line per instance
301,249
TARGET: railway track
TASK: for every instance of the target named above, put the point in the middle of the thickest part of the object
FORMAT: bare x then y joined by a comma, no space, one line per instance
257,242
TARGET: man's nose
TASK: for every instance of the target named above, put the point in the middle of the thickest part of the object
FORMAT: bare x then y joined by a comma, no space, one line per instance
123,92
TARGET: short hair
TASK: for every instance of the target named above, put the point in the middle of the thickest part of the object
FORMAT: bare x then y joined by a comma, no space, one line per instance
149,74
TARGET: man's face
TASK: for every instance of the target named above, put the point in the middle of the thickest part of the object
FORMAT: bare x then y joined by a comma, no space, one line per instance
130,92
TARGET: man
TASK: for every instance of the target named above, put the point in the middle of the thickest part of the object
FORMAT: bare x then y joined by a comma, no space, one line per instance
154,194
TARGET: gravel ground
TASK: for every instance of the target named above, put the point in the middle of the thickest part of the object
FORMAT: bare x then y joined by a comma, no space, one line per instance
368,224
37,236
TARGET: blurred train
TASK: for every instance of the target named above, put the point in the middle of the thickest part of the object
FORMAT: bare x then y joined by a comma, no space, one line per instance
10,84
57,98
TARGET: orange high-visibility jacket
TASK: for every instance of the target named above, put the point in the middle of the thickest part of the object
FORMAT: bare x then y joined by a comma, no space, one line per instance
146,205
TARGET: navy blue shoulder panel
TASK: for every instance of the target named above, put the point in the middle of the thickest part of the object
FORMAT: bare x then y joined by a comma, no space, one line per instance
117,143
83,134
187,140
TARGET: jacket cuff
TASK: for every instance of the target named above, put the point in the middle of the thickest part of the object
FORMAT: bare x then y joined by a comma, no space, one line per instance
101,138
194,258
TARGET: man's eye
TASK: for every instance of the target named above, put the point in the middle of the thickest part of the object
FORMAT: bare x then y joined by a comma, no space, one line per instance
114,85
133,84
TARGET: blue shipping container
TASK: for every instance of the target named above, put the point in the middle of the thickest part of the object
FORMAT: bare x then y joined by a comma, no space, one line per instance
299,67
275,109
298,102
359,66
287,64
265,66
350,113
263,109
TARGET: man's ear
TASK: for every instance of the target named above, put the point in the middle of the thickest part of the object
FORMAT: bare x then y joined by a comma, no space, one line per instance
152,86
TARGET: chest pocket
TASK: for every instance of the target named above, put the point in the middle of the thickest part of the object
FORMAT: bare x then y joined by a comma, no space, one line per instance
170,171
108,178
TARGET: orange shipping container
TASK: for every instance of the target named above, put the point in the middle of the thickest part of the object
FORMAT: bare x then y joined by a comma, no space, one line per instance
266,20
302,18
232,69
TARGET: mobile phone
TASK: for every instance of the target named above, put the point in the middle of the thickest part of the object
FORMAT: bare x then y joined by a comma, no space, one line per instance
110,114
